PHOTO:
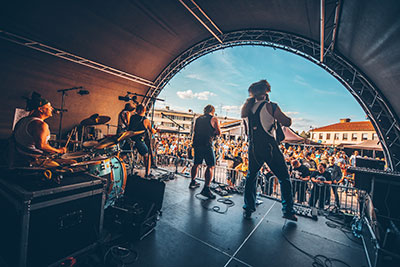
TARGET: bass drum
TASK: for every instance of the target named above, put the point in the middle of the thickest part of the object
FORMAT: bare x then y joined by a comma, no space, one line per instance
116,181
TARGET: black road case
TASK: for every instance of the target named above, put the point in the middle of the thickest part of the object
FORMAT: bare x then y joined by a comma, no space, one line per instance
43,222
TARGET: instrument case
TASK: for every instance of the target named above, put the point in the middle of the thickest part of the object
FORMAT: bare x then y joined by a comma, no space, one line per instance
44,222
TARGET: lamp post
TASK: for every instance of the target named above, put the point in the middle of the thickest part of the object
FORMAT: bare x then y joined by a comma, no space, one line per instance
192,123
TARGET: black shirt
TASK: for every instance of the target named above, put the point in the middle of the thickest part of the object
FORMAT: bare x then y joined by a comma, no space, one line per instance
136,124
326,176
203,131
302,171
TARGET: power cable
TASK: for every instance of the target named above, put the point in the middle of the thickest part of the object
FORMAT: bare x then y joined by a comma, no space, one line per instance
319,260
228,202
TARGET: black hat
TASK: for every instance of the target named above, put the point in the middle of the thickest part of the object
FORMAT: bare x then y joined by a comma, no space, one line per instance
35,102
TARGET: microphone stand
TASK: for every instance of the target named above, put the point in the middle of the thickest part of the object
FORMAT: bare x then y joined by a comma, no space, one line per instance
62,110
177,145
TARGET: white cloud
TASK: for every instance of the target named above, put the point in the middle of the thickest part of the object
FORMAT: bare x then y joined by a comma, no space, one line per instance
195,76
300,80
291,113
188,94
204,95
234,109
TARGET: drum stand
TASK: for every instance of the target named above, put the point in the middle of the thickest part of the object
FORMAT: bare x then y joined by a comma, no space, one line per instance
130,157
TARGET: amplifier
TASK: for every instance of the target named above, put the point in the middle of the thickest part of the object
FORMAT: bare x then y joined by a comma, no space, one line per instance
134,220
377,255
42,223
142,190
370,163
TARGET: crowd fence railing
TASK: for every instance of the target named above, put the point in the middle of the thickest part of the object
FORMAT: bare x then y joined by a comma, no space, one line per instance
305,193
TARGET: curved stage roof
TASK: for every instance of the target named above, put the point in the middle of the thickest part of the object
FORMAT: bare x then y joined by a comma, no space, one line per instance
115,46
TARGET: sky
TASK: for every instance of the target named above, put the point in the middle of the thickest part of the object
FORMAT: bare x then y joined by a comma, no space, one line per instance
304,91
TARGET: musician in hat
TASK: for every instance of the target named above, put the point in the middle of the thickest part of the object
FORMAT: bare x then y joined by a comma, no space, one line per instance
124,118
31,134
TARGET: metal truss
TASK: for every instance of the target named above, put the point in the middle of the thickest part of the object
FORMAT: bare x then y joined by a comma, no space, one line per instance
365,92
71,57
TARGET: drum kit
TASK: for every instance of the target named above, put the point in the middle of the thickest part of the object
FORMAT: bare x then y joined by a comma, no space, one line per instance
102,158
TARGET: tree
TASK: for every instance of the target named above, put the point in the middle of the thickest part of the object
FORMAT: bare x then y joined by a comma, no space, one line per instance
305,134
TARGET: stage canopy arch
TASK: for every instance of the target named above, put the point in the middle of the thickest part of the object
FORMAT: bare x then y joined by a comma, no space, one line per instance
138,46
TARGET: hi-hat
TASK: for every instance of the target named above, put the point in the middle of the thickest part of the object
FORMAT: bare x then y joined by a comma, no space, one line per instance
95,119
128,134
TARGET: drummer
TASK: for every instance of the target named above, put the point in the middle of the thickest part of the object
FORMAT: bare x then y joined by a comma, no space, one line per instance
139,122
31,135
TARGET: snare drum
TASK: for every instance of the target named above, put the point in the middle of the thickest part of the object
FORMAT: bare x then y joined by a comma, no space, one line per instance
100,166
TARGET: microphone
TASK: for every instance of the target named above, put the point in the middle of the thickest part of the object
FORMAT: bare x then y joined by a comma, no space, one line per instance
83,92
124,98
59,110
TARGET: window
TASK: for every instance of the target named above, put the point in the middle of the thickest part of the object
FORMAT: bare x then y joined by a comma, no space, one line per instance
345,136
328,136
320,136
336,136
313,136
354,136
364,136
374,136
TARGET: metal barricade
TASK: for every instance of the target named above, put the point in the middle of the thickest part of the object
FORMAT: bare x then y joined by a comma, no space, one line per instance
321,196
305,193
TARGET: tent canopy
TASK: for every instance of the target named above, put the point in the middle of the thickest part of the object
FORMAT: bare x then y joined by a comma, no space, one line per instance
366,145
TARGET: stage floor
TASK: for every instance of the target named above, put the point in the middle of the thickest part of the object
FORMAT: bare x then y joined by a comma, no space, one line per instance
187,234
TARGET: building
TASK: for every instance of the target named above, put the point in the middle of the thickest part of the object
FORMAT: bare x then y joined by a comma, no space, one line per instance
166,121
344,132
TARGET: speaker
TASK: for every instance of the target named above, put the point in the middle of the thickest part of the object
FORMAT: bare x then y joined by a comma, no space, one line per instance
370,163
377,256
143,190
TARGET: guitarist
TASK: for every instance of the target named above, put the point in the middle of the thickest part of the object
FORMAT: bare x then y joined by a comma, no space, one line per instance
139,122
261,115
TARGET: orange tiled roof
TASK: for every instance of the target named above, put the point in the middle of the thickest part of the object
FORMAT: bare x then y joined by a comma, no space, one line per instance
347,126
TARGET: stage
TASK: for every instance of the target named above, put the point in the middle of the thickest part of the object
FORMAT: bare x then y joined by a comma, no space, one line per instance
187,234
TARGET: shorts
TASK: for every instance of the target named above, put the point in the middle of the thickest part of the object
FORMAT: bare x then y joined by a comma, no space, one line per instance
206,153
141,147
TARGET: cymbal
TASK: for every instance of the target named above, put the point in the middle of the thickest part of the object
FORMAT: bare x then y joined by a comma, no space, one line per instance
89,144
65,141
128,134
74,155
95,119
107,142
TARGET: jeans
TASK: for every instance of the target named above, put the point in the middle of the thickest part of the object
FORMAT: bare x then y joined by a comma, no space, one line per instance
266,151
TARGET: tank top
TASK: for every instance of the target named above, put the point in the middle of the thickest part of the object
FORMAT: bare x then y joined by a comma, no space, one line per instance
25,143
266,119
203,131
257,132
136,124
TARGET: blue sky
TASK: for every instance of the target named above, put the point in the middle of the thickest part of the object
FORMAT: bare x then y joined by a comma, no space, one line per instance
303,90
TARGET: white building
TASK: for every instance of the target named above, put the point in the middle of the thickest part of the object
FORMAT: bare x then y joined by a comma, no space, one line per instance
185,119
344,132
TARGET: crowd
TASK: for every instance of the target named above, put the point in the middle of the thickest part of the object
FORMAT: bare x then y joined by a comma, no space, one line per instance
320,166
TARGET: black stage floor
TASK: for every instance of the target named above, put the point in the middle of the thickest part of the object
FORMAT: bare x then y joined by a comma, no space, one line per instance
187,234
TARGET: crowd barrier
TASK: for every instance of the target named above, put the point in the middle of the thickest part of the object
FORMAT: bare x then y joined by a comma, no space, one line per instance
305,193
